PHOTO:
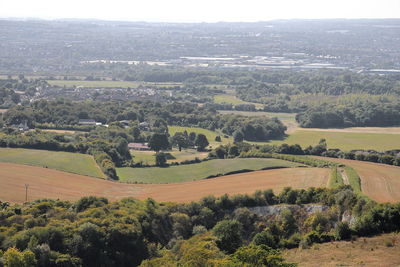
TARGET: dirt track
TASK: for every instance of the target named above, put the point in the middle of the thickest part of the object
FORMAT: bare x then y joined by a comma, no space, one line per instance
48,183
378,181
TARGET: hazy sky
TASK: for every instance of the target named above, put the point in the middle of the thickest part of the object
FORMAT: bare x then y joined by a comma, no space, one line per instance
200,10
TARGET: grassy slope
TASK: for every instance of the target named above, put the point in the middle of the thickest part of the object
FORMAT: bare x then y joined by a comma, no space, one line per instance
370,251
63,161
209,134
148,157
335,178
197,171
344,141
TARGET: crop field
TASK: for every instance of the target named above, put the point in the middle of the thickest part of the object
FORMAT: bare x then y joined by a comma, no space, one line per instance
243,183
48,183
3,111
191,172
380,251
378,181
63,161
343,140
111,84
209,134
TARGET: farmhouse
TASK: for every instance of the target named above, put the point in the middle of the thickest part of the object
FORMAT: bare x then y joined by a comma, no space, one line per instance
139,146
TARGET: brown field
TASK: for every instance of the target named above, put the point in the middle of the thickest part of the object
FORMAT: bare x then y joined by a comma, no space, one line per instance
59,131
3,110
378,181
48,183
373,251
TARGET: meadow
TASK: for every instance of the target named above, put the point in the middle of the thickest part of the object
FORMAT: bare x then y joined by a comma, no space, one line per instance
148,157
380,250
191,172
208,133
345,141
63,161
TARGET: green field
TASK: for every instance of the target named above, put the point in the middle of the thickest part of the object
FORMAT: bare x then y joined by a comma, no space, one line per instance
63,161
209,134
191,172
231,99
148,157
343,140
289,119
122,84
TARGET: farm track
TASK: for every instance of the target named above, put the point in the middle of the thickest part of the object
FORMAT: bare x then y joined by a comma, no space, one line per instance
378,181
48,183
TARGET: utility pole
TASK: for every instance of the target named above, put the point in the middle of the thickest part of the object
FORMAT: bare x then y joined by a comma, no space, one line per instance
26,192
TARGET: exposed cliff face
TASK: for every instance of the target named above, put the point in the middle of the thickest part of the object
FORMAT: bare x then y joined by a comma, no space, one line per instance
277,209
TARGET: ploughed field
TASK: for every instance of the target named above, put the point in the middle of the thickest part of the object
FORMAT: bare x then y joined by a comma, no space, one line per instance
63,161
48,183
380,182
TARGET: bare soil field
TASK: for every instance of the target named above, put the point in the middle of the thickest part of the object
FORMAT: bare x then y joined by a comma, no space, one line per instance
48,183
59,131
378,181
378,251
3,110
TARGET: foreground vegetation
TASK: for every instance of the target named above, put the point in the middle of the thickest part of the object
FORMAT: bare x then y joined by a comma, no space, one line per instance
63,161
191,172
226,231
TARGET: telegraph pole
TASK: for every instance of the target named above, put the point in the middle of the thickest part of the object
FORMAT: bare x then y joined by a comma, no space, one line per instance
26,192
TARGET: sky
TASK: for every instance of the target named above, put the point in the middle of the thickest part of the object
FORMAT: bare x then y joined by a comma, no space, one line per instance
199,10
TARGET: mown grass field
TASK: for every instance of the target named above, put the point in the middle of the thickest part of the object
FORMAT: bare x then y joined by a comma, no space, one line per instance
192,172
63,161
343,140
209,134
380,251
122,84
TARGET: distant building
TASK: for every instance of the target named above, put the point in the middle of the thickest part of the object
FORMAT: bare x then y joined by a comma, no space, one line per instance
139,146
144,126
89,122
23,126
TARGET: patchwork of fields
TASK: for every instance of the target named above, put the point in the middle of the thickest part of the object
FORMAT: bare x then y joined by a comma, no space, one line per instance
63,161
378,181
48,183
191,172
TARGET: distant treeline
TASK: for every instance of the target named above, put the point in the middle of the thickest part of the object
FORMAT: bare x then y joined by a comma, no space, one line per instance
158,115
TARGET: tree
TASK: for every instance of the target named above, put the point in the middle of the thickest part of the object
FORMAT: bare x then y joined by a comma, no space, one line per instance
233,151
180,140
158,142
201,142
14,258
161,159
218,138
229,234
238,136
